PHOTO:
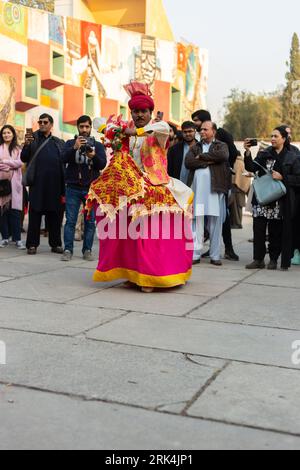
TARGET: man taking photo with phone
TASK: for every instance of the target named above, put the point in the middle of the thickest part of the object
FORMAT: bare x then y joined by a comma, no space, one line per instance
45,179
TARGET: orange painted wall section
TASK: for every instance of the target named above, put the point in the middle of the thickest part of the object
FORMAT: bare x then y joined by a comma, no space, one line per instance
39,57
73,103
15,70
162,98
109,107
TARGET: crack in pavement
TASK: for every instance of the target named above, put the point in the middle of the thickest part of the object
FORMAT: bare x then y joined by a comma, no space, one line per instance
200,392
149,409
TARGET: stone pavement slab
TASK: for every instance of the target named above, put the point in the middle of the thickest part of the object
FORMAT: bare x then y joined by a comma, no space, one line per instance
53,319
162,303
254,396
123,374
255,305
290,279
102,366
205,289
59,422
20,268
60,285
226,341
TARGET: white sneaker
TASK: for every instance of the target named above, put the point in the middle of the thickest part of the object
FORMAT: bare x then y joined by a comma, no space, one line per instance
20,245
4,244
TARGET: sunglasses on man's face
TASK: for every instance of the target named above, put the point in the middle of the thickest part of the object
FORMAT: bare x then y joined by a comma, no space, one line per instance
41,122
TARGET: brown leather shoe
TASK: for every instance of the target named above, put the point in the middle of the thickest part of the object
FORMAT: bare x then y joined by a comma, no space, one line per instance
58,249
256,265
216,262
32,250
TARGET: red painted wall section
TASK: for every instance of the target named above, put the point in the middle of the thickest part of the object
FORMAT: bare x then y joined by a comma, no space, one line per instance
39,57
162,98
15,70
73,103
109,107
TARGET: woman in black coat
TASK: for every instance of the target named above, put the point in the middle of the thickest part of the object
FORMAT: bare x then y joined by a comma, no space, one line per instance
277,217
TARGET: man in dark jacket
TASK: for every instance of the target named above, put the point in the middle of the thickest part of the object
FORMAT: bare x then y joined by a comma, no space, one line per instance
210,181
48,188
224,136
177,153
84,159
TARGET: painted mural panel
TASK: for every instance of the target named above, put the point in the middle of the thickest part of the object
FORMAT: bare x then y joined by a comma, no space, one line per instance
56,29
189,64
118,67
7,99
73,50
14,22
146,66
100,59
38,26
47,5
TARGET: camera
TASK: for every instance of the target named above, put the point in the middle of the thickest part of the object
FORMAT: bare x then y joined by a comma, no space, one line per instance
88,146
253,142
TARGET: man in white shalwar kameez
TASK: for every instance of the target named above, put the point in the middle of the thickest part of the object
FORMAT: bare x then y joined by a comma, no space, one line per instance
210,181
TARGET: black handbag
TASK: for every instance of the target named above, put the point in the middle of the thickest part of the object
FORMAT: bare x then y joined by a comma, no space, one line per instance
5,188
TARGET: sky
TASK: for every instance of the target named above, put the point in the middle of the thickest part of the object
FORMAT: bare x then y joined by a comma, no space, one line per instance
248,42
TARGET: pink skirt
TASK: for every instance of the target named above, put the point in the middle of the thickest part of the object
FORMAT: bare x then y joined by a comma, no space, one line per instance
160,254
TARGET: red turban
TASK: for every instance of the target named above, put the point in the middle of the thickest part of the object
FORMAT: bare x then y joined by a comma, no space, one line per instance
140,96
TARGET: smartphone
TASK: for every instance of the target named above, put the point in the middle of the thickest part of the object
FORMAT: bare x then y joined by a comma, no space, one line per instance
253,142
29,130
160,115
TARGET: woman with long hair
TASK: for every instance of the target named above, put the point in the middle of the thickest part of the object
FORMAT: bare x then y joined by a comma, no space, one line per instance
277,217
11,201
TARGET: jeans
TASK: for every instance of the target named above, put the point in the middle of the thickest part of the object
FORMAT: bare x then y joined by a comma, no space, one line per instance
10,223
74,199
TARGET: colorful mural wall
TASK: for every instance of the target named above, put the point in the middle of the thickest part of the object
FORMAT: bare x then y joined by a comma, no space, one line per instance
47,5
68,67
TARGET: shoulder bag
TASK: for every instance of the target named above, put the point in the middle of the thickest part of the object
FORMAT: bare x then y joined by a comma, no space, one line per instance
268,190
29,175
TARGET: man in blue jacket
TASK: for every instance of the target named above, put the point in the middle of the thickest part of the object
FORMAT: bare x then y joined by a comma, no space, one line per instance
84,159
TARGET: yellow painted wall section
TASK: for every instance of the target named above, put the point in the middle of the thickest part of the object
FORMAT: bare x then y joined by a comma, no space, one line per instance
82,11
127,14
157,23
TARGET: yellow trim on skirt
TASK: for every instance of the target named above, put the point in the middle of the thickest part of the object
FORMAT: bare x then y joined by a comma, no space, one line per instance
142,280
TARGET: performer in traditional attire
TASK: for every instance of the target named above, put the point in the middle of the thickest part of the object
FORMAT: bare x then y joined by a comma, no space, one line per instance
136,191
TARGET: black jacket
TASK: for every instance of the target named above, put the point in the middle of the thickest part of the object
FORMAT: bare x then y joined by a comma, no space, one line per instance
48,188
81,175
288,165
175,159
227,138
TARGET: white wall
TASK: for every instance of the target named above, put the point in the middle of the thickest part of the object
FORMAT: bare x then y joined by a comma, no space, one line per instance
64,7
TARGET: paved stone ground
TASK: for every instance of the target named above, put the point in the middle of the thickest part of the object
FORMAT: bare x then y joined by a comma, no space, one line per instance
208,366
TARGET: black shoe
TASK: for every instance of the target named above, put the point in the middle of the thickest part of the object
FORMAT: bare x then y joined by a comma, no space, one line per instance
206,255
256,265
32,250
216,263
272,266
231,256
197,261
58,250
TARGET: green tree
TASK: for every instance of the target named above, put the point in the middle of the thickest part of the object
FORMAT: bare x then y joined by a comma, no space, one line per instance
291,94
250,115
